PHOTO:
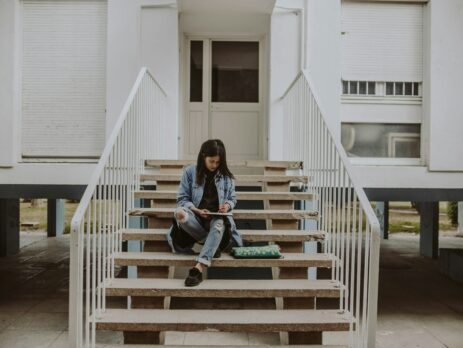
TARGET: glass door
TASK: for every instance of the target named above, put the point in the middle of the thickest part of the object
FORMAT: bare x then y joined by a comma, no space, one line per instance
224,97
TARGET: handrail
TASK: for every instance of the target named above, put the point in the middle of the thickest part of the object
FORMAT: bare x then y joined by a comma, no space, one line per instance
85,200
291,84
346,214
102,211
342,153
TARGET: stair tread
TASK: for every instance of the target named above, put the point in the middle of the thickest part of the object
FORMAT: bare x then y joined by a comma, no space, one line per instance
224,320
230,163
226,260
237,213
240,195
250,235
224,288
213,346
238,178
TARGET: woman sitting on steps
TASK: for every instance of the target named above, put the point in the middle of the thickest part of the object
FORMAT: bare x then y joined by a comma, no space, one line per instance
205,187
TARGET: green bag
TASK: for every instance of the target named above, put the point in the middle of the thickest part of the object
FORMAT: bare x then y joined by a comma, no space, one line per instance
257,252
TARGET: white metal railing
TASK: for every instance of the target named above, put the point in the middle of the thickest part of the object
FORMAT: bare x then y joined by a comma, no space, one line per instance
346,214
102,212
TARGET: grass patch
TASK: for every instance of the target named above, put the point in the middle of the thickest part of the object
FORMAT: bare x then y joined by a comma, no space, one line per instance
413,227
404,226
29,214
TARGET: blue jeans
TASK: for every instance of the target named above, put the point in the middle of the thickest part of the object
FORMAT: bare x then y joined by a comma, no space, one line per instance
210,233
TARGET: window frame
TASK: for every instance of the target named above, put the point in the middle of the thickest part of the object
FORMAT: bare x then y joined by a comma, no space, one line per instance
380,90
380,98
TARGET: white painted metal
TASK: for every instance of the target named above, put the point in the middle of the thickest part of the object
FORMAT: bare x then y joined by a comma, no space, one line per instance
346,214
382,41
63,78
102,212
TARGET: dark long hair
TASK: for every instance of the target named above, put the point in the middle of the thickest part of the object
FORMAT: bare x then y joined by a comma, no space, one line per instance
211,148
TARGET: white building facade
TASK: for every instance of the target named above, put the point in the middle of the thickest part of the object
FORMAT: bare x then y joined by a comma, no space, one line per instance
386,74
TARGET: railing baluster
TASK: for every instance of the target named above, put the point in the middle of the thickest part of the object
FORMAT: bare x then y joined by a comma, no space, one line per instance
99,237
87,279
348,249
94,280
365,280
359,269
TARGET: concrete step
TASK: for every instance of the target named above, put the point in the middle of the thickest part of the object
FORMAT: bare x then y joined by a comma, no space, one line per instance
231,163
212,346
243,196
223,320
239,179
249,235
226,260
212,288
237,213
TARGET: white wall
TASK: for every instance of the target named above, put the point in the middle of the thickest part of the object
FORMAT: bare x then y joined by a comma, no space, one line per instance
320,28
7,82
158,35
219,24
406,177
285,64
47,174
379,112
324,56
444,89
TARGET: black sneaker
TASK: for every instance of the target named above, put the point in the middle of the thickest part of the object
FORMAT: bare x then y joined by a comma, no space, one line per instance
217,254
194,277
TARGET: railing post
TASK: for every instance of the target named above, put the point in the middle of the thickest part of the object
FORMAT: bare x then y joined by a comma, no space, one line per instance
74,292
373,286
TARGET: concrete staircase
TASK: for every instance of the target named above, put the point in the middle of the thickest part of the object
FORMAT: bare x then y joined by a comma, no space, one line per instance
299,308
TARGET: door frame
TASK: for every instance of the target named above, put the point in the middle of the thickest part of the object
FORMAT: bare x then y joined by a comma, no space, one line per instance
207,76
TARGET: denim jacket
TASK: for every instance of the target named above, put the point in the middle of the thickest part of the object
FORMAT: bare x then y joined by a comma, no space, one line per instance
190,194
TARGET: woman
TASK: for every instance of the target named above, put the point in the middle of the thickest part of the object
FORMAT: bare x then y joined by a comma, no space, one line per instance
205,187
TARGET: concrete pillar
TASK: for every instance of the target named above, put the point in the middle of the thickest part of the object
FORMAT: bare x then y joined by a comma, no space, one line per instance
9,226
382,213
460,219
429,229
55,217
134,245
311,247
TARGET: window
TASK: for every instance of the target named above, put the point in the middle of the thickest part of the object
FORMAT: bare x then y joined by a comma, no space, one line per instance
381,140
196,71
403,88
235,72
381,89
358,87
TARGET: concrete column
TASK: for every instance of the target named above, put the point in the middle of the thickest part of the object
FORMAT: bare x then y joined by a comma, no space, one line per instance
429,229
134,245
460,219
382,213
55,217
311,247
9,227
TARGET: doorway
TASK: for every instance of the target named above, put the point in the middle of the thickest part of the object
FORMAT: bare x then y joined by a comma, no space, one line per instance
223,96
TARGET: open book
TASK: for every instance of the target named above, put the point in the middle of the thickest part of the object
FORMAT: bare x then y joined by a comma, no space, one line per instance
220,214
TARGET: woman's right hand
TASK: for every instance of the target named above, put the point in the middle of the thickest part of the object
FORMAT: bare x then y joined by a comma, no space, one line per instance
204,213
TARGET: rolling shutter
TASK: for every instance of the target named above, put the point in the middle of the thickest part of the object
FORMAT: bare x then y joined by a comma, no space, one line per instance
382,41
63,78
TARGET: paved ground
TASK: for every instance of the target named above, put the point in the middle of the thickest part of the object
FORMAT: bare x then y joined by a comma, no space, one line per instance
418,307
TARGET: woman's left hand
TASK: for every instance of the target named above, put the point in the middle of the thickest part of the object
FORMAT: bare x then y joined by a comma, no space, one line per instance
224,208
